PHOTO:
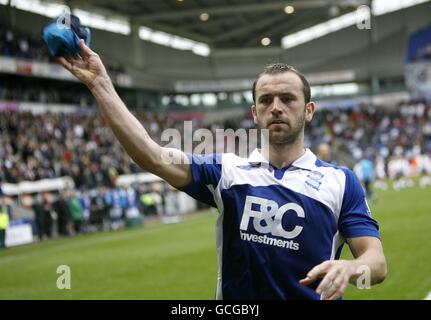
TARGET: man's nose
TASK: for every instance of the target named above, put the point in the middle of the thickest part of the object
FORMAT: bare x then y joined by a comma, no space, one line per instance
276,105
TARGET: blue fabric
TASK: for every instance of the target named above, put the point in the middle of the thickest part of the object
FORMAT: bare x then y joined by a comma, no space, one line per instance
206,170
252,270
257,261
62,40
355,218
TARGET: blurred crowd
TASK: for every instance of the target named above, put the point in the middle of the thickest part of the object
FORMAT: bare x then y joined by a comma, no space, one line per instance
83,147
42,93
34,147
22,45
385,135
397,138
71,212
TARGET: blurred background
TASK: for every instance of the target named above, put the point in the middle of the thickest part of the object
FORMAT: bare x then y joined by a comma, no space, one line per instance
72,196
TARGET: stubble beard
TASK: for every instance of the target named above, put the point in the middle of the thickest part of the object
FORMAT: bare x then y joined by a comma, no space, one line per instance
291,137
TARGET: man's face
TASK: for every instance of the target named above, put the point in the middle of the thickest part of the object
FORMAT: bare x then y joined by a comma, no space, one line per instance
280,107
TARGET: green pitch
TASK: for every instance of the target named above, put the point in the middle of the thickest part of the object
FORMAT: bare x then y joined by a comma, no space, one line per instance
178,261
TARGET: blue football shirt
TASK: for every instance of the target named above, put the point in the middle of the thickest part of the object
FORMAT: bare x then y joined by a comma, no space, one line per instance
275,225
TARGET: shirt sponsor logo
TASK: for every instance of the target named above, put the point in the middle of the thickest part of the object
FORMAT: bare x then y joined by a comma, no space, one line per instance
267,219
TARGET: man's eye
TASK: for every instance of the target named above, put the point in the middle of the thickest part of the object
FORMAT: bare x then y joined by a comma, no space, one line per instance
265,100
286,99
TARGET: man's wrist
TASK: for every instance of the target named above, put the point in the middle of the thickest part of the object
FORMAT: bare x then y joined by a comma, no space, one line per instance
100,82
356,269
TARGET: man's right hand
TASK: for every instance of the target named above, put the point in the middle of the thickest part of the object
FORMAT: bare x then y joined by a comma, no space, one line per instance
88,67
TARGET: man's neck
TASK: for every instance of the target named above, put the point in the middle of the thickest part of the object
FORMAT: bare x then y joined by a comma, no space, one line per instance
282,155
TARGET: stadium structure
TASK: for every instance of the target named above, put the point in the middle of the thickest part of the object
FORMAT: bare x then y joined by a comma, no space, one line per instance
193,62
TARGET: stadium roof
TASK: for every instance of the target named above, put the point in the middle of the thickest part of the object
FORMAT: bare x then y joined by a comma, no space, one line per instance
224,24
221,25
317,37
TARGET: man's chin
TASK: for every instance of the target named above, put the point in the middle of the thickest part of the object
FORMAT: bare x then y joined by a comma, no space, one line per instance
276,138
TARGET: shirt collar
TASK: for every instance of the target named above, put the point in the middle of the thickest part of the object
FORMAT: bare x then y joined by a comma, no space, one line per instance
307,161
256,157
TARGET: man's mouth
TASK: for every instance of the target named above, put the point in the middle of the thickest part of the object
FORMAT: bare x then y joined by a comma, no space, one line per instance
277,122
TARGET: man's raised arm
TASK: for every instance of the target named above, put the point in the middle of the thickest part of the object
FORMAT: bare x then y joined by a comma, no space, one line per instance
89,69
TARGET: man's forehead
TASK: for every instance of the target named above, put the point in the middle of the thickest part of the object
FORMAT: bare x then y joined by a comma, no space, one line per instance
280,82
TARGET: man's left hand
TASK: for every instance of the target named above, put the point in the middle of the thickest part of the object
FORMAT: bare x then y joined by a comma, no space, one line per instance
336,275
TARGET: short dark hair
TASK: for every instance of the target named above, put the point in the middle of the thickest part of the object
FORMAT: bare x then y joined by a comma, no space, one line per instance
279,67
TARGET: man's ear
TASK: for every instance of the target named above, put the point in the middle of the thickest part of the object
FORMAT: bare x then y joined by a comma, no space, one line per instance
254,113
309,111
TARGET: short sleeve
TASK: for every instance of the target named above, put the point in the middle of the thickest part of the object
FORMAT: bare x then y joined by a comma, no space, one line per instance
206,174
355,217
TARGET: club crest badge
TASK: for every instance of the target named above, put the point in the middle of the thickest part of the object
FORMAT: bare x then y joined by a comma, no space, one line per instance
314,179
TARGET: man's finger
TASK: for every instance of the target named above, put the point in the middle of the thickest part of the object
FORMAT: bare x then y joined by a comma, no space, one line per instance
335,287
327,282
315,273
85,51
65,63
73,61
339,290
337,294
77,62
306,281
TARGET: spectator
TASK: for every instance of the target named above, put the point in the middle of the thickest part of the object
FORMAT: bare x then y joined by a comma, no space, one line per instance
324,153
47,208
149,204
76,211
4,220
63,213
365,172
99,209
39,215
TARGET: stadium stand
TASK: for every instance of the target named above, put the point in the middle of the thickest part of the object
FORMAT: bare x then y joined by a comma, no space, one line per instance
188,66
38,143
36,147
